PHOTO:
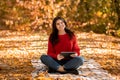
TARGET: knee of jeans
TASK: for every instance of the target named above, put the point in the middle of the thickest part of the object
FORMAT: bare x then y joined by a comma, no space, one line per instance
43,57
80,59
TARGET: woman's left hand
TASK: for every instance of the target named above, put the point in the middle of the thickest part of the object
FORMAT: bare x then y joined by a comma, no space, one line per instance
60,57
73,55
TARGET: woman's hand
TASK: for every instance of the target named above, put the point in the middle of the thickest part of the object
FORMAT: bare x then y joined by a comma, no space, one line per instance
60,57
73,55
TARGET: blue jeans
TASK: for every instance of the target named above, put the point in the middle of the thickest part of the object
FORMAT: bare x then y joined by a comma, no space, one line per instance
73,63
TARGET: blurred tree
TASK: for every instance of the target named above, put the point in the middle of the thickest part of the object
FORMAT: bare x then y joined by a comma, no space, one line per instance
116,6
97,15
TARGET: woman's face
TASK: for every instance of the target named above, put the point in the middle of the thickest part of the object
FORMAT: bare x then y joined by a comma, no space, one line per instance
60,25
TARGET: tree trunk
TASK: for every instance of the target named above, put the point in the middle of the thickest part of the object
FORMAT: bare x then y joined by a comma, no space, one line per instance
117,8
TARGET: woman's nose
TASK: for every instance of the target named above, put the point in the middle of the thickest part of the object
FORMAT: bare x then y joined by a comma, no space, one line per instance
60,24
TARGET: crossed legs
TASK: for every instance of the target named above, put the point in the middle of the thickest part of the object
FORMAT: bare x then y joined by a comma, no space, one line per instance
62,65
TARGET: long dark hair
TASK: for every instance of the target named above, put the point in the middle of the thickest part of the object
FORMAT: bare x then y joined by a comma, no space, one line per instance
54,35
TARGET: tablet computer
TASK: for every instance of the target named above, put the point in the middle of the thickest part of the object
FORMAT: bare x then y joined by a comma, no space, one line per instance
67,54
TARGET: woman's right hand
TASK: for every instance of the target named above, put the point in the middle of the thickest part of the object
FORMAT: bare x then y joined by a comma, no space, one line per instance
60,57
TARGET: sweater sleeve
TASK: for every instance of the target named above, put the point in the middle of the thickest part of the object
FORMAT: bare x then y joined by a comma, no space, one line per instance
51,51
75,46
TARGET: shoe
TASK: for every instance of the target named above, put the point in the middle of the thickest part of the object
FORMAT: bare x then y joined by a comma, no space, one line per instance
62,72
50,70
73,71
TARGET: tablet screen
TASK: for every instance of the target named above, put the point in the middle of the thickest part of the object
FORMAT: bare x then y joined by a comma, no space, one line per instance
67,54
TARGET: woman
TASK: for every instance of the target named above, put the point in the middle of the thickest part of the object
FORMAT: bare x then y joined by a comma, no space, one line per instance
62,40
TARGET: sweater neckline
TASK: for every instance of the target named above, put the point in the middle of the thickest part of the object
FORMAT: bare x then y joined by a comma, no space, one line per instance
62,34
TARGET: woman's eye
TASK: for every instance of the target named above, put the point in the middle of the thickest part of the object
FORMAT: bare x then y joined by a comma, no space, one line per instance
61,22
57,24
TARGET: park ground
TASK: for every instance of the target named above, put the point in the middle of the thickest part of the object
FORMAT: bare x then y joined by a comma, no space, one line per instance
17,49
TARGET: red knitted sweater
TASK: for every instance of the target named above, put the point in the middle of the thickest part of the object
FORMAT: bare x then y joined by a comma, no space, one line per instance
64,45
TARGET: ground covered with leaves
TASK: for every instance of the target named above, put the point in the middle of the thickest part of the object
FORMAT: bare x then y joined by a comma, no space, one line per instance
18,48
